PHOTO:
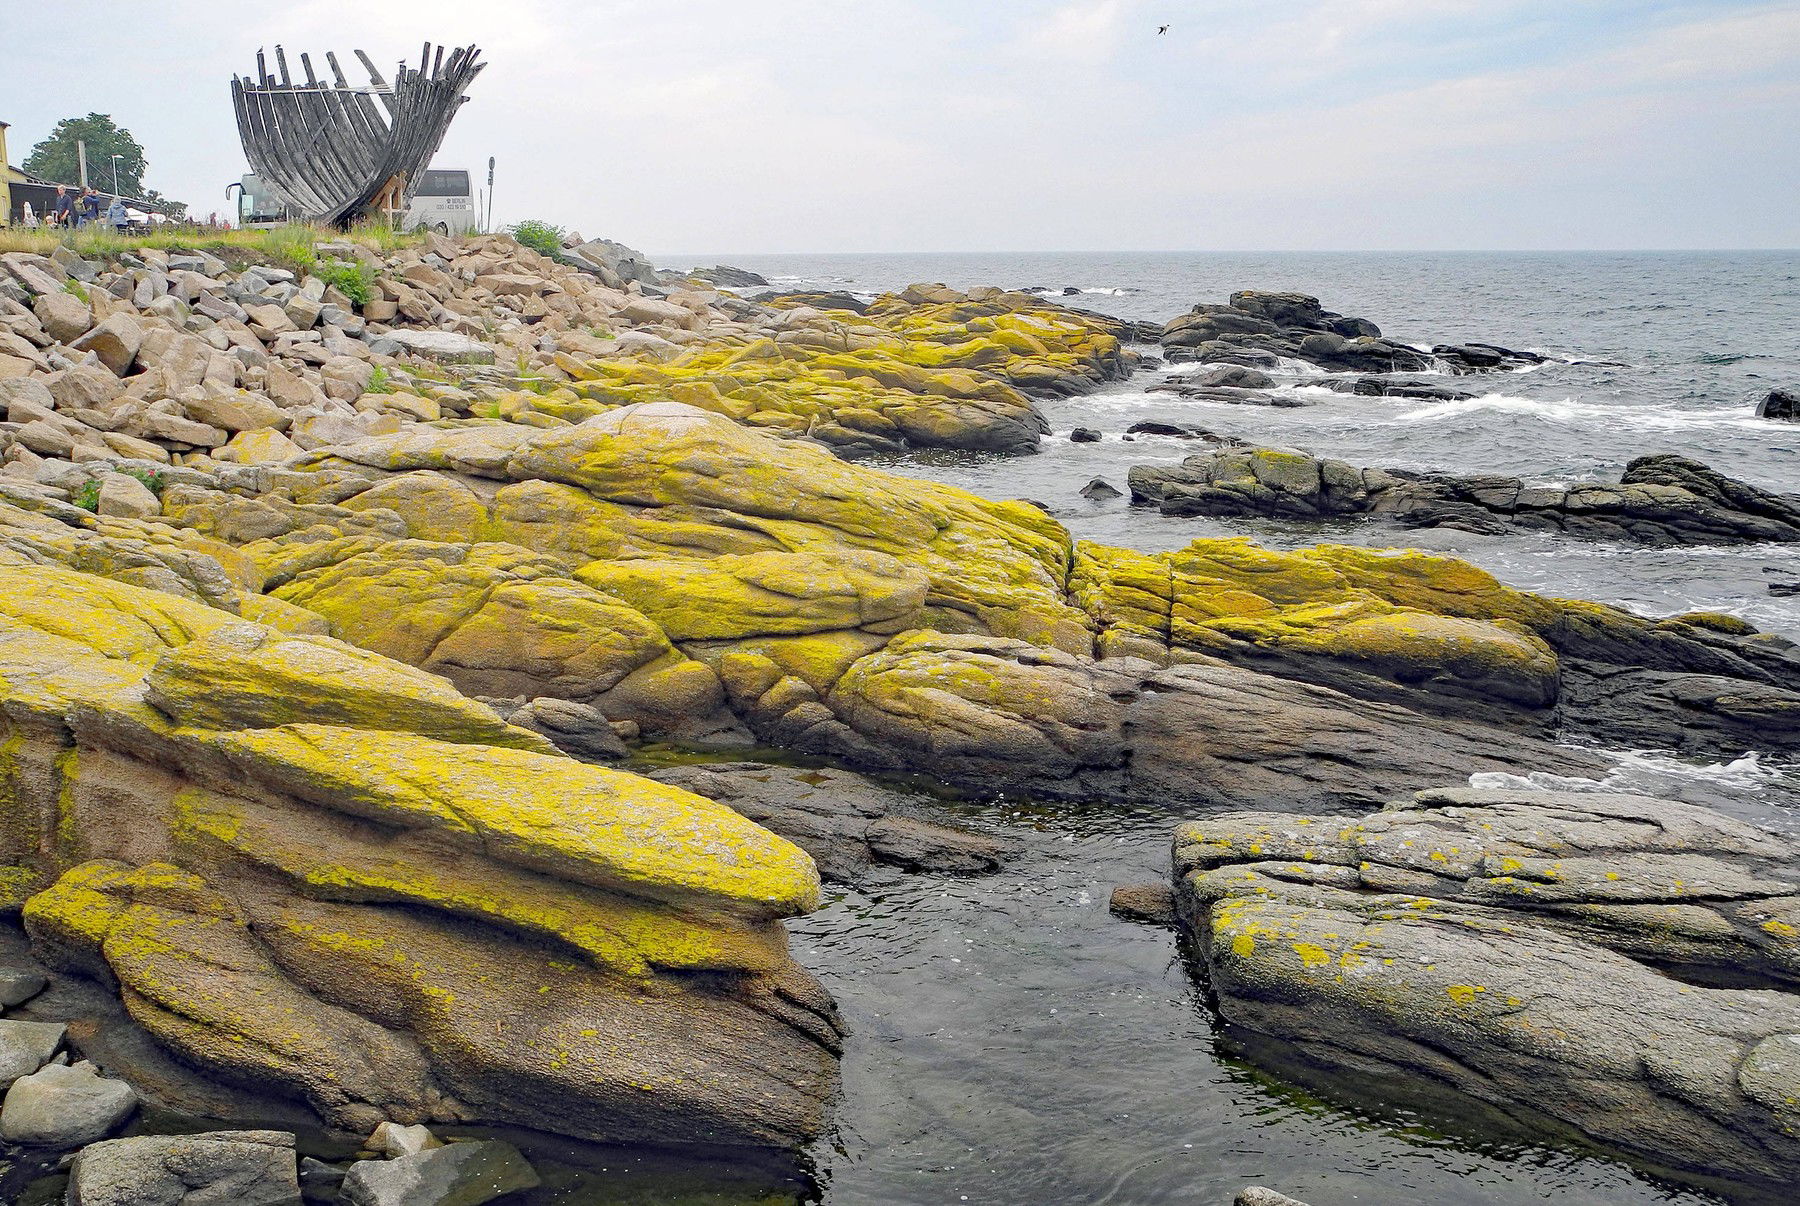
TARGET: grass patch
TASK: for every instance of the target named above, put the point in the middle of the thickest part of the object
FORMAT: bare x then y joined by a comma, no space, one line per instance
355,281
541,237
380,381
293,246
77,290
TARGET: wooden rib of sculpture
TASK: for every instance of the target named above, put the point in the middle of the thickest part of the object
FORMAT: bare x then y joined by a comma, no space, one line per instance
337,153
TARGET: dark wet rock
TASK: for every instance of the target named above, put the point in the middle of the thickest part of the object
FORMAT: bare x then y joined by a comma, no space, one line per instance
1231,395
1386,387
64,1106
1229,376
820,300
245,1168
1152,903
1780,404
1100,490
1784,590
1622,964
1297,326
319,1181
847,822
1185,431
1660,500
727,277
462,1174
1084,435
1257,1195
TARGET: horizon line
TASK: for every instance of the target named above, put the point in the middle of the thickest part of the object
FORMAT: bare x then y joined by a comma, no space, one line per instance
1271,251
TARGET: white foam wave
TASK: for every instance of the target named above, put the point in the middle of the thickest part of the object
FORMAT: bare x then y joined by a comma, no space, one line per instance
1643,771
1574,412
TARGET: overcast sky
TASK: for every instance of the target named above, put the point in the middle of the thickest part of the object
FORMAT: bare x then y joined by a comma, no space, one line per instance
946,125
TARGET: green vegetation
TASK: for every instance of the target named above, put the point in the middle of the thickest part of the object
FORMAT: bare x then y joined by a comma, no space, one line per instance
541,237
77,290
355,281
290,246
88,497
380,381
56,157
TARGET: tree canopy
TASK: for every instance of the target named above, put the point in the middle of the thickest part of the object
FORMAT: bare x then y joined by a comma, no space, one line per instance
55,158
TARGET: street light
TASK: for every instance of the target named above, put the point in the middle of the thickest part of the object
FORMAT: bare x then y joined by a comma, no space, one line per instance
115,160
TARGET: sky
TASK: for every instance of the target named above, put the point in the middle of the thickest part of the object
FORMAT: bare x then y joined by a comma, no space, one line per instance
1018,125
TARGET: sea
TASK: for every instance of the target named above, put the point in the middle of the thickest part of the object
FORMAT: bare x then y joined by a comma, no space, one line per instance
1013,1043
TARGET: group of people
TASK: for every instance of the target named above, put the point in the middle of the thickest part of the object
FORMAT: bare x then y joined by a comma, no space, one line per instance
73,211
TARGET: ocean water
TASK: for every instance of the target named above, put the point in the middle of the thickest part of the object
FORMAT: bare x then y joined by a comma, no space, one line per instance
1014,1043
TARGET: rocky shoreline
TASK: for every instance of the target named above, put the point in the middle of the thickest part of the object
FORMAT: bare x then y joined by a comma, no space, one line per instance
319,614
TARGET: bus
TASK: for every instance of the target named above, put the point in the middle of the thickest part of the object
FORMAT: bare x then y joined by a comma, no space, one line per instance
442,202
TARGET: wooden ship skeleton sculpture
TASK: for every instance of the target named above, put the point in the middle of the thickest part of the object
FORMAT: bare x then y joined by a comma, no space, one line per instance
336,153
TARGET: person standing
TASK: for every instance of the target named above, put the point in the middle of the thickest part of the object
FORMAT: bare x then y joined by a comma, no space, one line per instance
90,207
116,216
62,210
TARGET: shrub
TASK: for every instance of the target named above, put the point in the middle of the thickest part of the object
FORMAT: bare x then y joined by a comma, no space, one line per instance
539,236
355,281
88,497
379,381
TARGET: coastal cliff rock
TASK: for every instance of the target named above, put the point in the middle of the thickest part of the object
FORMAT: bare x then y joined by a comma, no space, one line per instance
1659,500
316,872
1623,965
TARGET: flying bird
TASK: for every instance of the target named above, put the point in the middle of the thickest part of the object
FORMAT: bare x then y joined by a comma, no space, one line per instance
1161,30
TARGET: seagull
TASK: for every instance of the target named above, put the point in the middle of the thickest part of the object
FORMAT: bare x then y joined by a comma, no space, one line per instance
1161,30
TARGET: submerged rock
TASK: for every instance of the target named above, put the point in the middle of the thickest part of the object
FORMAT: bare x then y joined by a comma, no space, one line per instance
1100,490
461,1174
1624,965
244,1168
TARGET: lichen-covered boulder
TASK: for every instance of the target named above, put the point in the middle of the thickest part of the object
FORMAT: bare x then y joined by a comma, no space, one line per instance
1624,965
331,877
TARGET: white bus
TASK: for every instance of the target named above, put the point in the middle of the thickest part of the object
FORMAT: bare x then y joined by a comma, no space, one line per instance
442,202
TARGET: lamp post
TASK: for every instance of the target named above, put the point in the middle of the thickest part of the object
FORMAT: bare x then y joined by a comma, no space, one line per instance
115,160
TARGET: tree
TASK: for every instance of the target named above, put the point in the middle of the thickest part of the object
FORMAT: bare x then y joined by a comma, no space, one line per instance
56,159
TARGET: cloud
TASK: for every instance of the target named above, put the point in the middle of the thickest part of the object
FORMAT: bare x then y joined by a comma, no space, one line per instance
1035,124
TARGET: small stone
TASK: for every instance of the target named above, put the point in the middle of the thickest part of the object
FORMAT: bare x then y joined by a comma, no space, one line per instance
319,1181
65,317
1256,1195
1153,903
115,341
18,986
1100,489
444,346
125,496
1084,435
25,1047
392,1139
462,1174
245,1168
64,1106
